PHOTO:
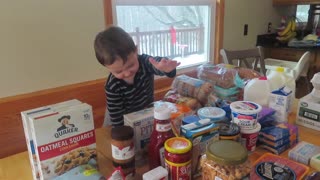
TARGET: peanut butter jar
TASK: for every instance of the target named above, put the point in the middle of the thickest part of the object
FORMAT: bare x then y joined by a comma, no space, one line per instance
122,144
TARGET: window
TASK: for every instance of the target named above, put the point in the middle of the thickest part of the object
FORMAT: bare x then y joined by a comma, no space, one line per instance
179,29
302,13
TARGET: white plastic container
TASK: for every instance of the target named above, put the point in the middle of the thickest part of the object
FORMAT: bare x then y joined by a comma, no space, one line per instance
156,174
258,90
245,114
316,81
278,78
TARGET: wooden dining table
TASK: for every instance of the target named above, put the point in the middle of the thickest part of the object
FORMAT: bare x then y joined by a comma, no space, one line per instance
17,166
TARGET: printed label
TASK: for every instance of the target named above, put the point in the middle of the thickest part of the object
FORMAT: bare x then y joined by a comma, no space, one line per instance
122,153
179,171
163,127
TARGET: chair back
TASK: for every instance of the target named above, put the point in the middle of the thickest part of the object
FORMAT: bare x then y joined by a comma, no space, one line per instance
301,69
243,58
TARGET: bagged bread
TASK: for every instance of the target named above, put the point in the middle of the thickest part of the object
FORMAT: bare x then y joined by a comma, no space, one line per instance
224,75
192,87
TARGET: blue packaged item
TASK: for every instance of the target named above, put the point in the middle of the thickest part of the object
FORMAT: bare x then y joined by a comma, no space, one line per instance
274,144
274,133
276,150
190,119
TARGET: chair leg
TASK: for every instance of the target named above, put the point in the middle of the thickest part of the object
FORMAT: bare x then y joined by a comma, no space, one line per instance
308,84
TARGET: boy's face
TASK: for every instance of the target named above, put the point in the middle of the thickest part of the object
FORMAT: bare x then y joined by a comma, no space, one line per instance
125,71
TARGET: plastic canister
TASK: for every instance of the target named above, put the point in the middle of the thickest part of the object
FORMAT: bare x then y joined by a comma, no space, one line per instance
258,91
229,131
249,137
213,113
278,78
178,158
245,114
225,159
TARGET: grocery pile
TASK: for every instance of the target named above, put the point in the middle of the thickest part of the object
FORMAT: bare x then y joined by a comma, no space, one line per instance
288,32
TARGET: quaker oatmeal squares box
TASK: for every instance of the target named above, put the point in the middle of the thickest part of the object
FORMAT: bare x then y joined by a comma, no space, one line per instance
27,129
63,140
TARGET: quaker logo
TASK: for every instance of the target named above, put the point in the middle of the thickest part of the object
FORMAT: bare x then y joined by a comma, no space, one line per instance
65,127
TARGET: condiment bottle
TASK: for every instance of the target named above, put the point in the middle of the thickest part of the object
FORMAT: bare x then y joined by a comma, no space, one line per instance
161,132
122,147
178,158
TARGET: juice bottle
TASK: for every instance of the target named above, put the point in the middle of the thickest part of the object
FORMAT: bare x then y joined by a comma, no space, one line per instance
161,132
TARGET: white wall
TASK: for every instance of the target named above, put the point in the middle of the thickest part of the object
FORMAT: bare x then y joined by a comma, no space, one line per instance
256,13
45,44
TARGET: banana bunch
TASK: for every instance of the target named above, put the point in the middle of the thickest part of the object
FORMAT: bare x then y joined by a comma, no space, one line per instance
288,32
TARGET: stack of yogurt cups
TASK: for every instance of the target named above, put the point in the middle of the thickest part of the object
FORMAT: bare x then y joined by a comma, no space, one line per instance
245,115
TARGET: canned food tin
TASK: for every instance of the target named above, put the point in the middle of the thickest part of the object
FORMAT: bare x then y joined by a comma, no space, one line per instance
178,158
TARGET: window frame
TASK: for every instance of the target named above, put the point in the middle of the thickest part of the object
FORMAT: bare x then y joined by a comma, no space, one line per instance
218,31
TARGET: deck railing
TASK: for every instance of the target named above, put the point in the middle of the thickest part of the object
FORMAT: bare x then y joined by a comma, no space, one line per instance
162,43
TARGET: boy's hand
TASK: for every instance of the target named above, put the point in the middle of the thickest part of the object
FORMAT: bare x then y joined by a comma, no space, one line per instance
165,65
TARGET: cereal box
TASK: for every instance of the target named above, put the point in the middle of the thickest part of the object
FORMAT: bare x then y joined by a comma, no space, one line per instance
63,140
26,126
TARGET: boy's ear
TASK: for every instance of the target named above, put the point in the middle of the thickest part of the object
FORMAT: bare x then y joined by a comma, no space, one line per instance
136,50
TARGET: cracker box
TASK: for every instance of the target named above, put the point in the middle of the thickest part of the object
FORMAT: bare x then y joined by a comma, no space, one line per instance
142,124
27,129
63,140
308,113
200,133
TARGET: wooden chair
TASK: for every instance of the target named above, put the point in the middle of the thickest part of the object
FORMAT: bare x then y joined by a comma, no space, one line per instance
249,58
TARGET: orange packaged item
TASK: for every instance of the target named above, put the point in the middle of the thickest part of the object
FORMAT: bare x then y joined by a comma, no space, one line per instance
271,166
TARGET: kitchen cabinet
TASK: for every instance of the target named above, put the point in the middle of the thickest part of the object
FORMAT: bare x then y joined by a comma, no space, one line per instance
294,2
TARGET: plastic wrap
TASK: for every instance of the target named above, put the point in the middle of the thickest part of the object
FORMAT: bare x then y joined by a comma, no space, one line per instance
227,80
192,87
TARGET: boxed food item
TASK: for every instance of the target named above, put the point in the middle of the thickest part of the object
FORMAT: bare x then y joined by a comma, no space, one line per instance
270,166
142,124
63,140
315,162
27,128
303,152
308,113
200,133
82,172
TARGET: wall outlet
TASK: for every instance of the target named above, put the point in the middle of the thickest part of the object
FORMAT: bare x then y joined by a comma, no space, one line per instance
245,30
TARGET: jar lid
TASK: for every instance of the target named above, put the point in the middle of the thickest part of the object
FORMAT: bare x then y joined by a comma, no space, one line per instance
122,133
228,128
162,112
178,145
227,152
211,112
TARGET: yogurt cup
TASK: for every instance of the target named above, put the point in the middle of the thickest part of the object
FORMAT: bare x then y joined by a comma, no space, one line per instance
249,137
245,114
213,113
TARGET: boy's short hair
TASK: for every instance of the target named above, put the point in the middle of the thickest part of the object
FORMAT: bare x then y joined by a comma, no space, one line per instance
113,43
